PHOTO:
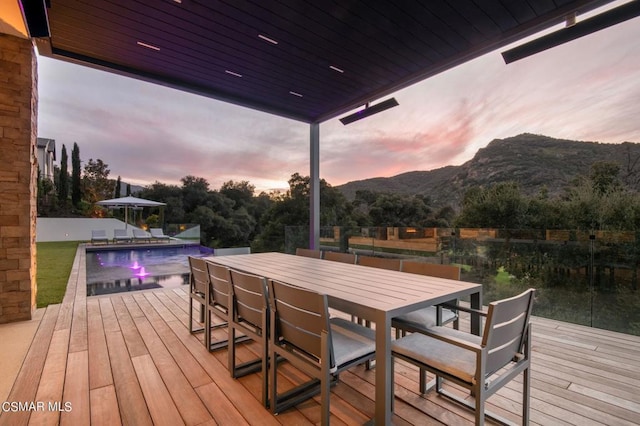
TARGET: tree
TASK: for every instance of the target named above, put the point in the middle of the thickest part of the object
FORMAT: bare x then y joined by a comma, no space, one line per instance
118,190
63,179
604,177
76,190
292,209
195,192
96,183
400,210
128,189
498,206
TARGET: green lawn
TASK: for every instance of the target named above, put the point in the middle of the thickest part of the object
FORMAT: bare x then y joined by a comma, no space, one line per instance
54,262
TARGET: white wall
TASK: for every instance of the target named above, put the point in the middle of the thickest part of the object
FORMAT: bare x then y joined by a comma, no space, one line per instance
74,229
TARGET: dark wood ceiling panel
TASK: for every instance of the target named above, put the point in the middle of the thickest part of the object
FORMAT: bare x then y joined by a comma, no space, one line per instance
375,47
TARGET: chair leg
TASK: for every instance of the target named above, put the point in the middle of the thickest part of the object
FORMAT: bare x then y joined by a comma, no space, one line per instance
526,378
231,353
265,372
273,373
479,396
423,380
325,397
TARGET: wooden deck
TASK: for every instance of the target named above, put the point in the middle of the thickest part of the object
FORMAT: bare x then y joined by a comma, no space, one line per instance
129,359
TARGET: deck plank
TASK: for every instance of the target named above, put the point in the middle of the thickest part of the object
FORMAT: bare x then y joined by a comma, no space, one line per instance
132,337
76,389
104,407
28,378
186,399
133,408
162,408
99,365
192,370
52,382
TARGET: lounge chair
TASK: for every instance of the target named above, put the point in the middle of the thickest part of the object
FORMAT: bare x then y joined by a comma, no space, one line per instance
158,235
140,235
99,236
121,236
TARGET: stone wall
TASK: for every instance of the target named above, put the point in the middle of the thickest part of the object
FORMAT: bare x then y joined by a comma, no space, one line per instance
18,178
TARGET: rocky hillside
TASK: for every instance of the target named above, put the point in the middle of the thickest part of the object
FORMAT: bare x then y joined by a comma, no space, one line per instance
534,161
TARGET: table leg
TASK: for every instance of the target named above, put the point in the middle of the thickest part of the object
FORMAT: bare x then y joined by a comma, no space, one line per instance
384,379
476,320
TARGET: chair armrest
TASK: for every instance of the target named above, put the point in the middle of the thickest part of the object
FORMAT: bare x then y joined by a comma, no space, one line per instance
454,337
463,309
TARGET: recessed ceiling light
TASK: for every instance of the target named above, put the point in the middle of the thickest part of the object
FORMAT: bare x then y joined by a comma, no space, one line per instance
269,39
177,1
148,46
235,74
336,69
295,94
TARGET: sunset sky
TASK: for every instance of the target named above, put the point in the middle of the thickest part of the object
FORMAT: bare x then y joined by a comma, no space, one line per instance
587,90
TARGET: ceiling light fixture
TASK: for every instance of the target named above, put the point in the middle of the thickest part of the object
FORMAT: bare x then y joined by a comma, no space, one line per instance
235,74
295,94
148,46
341,71
573,31
369,110
269,39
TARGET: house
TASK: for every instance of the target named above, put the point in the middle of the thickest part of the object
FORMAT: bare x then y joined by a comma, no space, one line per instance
46,156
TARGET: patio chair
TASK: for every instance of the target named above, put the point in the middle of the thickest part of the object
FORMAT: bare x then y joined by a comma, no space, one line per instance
121,236
481,364
218,304
141,236
158,235
301,332
340,257
99,236
198,283
250,318
380,262
426,318
316,254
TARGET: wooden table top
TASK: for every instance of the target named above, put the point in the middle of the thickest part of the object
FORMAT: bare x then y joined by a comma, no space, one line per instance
382,290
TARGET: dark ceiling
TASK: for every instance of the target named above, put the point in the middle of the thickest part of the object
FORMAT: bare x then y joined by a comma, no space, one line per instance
330,56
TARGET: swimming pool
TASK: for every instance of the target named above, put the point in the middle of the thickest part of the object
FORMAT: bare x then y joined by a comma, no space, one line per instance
140,268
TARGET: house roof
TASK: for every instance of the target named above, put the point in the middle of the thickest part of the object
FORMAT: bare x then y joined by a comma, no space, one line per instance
49,145
309,60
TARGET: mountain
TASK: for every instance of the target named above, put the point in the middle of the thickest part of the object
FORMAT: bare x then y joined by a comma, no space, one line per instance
533,161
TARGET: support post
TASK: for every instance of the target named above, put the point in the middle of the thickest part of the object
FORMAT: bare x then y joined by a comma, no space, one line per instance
314,190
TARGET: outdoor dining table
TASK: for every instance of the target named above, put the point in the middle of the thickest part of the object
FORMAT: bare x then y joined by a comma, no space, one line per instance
373,294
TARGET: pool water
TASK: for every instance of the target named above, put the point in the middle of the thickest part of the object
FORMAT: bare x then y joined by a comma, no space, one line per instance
120,270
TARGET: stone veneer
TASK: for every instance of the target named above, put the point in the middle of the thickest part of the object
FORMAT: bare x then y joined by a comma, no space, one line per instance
18,178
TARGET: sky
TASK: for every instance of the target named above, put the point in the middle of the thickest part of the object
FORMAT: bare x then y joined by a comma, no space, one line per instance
588,90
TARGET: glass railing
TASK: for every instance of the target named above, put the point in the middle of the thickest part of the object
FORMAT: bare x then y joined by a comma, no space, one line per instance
580,277
183,231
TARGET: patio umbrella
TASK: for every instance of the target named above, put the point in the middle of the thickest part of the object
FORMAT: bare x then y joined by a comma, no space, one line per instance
126,202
